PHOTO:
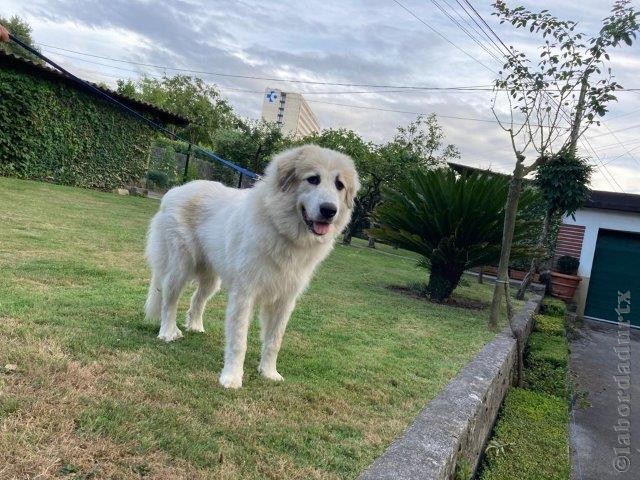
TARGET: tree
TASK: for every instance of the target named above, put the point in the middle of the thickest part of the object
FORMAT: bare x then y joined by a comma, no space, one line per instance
250,144
543,96
423,139
419,145
21,29
453,221
189,96
563,185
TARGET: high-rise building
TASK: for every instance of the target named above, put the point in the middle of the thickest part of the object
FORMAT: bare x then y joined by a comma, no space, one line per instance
290,112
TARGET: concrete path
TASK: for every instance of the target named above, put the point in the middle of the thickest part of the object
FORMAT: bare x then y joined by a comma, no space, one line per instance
605,426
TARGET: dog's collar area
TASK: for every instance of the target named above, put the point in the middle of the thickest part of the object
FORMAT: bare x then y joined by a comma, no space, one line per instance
317,228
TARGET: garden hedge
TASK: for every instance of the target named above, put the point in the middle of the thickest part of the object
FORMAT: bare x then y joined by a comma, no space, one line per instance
531,439
51,131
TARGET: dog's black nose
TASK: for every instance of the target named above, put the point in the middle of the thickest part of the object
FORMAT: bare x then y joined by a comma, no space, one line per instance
328,210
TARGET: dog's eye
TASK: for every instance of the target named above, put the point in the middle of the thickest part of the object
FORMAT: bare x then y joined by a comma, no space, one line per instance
339,184
315,180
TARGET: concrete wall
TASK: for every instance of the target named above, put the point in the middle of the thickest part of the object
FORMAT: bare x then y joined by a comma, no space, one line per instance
457,423
593,220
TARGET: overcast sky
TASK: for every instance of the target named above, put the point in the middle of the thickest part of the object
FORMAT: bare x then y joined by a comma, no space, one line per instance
356,42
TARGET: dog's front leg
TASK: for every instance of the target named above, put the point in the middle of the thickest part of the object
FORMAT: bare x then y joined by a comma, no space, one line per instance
273,318
239,310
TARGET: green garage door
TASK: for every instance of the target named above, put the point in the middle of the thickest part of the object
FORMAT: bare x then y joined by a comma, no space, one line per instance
616,268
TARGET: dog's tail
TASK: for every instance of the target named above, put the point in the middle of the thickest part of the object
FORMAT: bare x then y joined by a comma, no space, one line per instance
153,305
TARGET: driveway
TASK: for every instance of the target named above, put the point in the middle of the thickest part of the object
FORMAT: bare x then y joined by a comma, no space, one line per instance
605,426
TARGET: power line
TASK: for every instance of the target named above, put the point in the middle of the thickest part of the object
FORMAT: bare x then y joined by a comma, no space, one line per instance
621,155
484,32
621,144
611,132
613,145
380,109
489,27
468,88
413,14
347,105
391,88
461,27
510,53
248,77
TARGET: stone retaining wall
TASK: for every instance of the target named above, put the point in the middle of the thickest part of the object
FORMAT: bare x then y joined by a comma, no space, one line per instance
457,423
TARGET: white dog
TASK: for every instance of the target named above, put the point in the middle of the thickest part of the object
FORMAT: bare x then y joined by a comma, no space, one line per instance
262,243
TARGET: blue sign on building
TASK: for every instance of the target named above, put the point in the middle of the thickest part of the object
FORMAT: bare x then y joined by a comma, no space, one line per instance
272,96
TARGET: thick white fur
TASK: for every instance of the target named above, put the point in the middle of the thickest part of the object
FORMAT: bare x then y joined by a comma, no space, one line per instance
254,241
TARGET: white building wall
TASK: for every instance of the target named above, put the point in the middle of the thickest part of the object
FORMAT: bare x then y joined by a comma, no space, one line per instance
594,220
290,112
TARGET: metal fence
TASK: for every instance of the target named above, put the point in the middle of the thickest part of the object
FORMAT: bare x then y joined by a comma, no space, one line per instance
168,168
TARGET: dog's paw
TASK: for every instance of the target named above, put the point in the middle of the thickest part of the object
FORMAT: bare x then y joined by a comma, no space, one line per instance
271,374
194,328
171,335
229,380
193,324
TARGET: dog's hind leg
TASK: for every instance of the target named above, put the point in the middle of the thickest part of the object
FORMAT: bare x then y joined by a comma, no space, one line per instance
236,328
273,319
153,305
172,285
208,285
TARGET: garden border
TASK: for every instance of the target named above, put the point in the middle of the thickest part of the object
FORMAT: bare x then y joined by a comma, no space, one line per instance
456,424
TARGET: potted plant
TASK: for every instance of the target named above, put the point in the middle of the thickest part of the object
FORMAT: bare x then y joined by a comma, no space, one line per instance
564,280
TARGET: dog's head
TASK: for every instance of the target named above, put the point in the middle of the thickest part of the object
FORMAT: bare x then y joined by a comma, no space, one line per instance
312,191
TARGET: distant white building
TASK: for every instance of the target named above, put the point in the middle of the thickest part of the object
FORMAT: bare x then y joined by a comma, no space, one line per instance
290,112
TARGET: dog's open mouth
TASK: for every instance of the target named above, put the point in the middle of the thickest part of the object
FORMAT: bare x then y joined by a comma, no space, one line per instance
317,228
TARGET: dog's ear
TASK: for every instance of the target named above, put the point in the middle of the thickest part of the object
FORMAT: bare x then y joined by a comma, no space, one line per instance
286,178
352,185
283,168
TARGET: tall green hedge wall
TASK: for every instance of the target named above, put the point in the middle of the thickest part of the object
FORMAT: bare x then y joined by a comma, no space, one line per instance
50,131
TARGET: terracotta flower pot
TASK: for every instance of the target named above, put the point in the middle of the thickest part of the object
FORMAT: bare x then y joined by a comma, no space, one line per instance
564,286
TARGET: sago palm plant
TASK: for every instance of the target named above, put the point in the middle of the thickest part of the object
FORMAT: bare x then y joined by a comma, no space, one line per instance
454,220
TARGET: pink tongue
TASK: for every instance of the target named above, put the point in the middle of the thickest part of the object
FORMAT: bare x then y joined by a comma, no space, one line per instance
321,228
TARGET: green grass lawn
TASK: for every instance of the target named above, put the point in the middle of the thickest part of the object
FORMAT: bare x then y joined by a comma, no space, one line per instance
89,392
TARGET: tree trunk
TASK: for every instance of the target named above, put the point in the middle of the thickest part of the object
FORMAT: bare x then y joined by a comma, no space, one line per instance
511,209
481,275
575,128
574,135
535,263
346,237
443,280
372,242
256,159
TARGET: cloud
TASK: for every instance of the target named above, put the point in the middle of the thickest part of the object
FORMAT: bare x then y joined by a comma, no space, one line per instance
357,41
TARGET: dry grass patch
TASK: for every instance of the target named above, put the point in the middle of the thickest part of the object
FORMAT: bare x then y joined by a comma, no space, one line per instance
39,402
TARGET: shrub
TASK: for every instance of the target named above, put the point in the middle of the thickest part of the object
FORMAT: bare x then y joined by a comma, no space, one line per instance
158,179
547,379
550,349
553,307
533,428
50,131
549,325
568,265
454,221
533,423
547,357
